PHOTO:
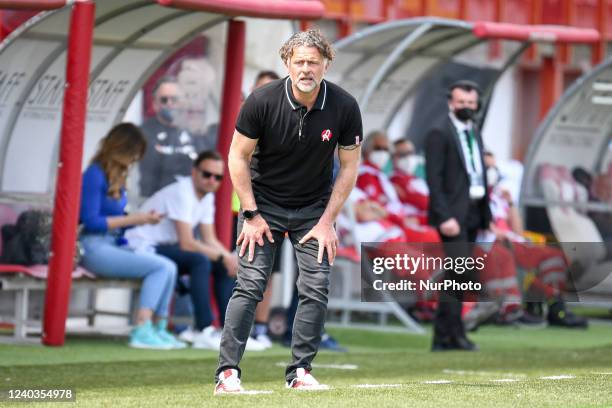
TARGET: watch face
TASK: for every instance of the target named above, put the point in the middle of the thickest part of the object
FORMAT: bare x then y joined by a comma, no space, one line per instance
248,214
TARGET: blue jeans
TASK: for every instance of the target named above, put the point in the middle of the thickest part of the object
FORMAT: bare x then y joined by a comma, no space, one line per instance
200,268
105,259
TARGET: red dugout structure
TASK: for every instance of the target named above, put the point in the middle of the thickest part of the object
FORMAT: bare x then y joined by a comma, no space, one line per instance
127,41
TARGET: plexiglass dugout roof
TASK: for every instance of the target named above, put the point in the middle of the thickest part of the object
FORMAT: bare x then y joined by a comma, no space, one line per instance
132,38
577,132
383,65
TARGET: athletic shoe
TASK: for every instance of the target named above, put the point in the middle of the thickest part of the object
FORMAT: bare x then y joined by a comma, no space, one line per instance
453,343
529,320
228,383
187,335
162,332
304,381
145,336
254,345
209,338
560,315
264,340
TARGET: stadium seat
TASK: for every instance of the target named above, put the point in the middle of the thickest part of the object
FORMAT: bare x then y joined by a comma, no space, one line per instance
345,286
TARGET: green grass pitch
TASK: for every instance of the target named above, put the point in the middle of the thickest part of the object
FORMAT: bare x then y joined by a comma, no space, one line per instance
515,368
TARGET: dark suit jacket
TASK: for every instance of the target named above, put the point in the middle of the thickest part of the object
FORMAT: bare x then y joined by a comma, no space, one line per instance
448,179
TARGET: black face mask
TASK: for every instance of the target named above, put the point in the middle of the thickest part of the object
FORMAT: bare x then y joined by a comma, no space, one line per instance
465,114
167,115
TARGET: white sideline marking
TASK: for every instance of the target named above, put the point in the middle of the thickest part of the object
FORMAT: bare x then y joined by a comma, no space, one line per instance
482,373
505,380
245,392
376,385
437,382
332,366
602,373
320,387
558,377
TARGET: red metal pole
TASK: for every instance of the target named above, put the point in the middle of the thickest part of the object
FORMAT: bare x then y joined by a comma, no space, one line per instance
569,11
68,186
599,49
230,106
424,7
389,10
495,49
535,17
287,9
345,27
551,75
463,9
32,4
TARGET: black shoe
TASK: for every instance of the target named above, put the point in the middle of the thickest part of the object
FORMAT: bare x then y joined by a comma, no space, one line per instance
458,343
535,309
560,315
445,344
463,343
529,320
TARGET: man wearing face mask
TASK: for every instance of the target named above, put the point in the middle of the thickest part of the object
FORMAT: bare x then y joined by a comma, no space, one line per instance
546,265
459,205
170,149
377,187
411,190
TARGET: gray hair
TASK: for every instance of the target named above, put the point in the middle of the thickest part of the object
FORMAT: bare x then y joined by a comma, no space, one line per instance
310,38
368,141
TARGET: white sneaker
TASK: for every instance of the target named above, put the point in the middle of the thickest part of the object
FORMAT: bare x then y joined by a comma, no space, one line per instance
228,383
304,381
209,338
187,335
254,345
264,340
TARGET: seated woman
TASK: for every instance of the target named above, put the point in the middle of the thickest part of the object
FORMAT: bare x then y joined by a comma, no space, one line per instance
103,200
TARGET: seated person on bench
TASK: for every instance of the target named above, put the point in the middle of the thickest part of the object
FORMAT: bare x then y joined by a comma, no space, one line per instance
103,201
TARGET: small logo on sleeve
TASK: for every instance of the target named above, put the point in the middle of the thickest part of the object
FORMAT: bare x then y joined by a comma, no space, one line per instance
326,135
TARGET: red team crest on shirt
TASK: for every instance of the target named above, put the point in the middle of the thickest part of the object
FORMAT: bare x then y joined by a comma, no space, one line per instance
326,135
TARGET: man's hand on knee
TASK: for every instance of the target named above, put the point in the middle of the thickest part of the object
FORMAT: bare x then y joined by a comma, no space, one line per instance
252,233
325,234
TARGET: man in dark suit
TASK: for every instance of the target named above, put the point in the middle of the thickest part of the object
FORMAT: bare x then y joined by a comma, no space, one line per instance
459,205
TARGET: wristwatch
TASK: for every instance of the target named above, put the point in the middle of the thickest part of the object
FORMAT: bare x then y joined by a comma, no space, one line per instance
220,258
250,214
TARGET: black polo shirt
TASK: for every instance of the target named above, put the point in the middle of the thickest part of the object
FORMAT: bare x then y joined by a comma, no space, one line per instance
293,161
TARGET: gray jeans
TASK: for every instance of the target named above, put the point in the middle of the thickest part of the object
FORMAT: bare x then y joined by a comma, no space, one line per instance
312,285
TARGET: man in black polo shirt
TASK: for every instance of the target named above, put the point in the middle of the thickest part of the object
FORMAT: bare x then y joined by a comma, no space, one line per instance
280,162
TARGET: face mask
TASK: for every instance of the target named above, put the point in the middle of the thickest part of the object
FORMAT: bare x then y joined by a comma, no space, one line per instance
408,164
465,114
167,115
379,158
492,176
